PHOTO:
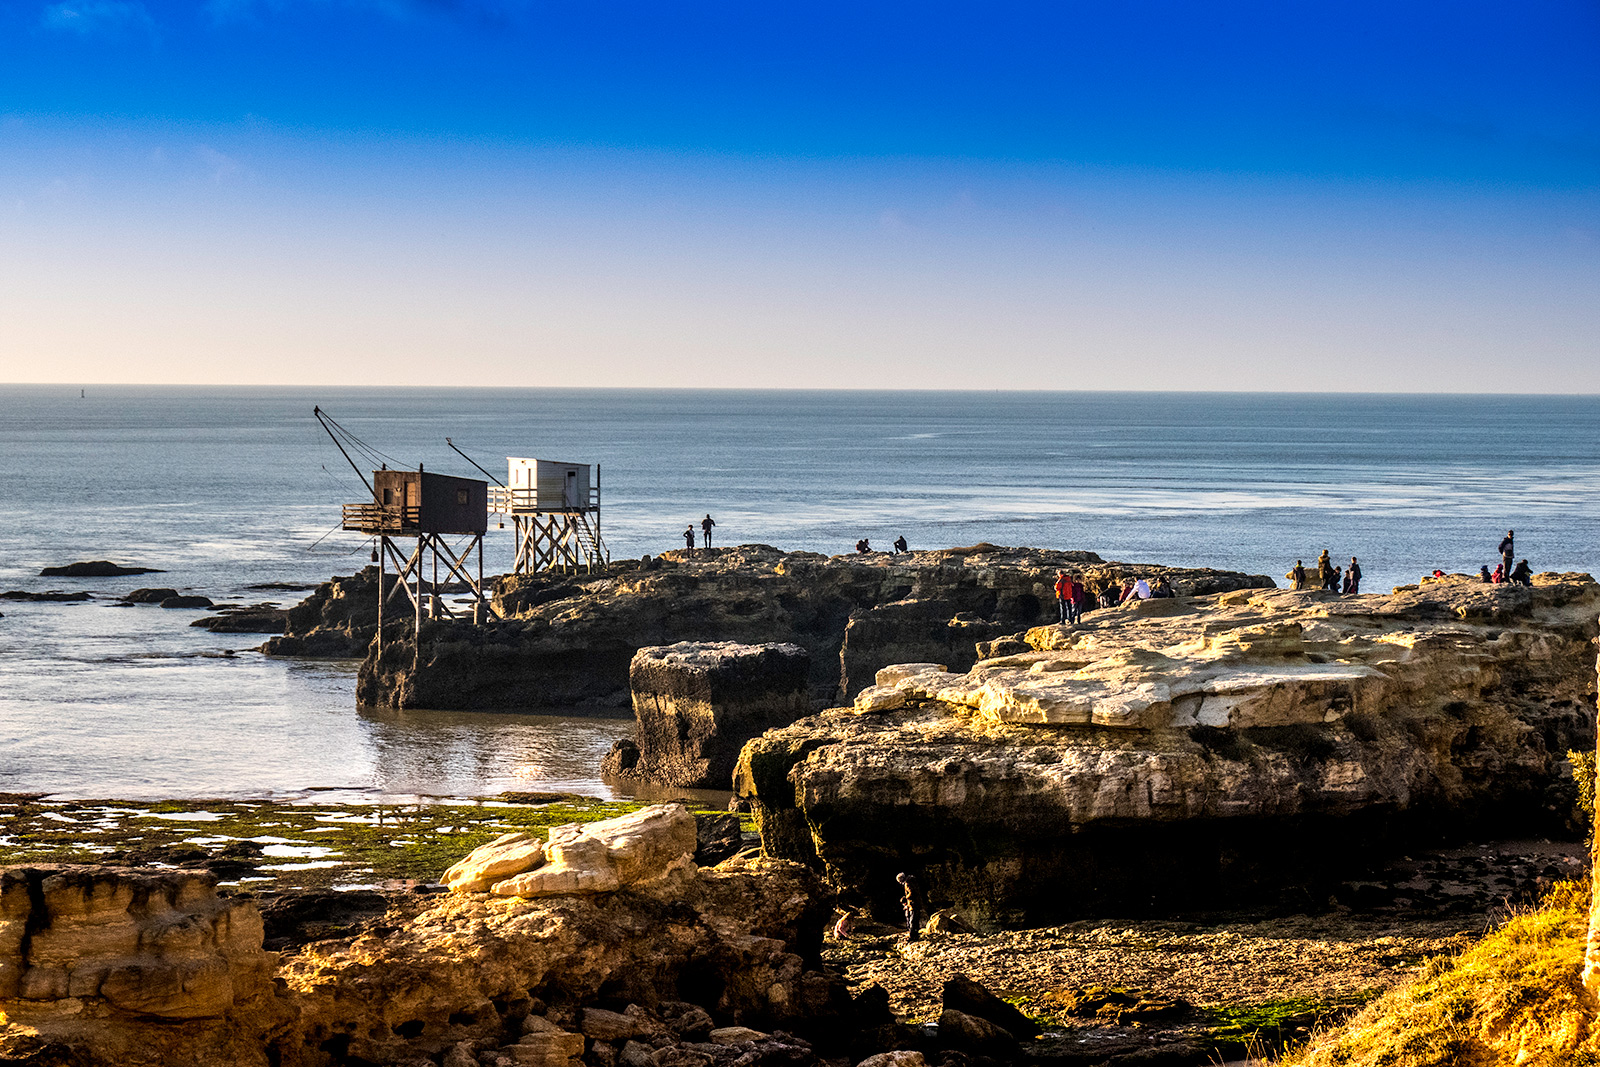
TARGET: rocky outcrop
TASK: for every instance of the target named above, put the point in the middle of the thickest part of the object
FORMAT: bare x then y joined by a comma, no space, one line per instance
337,621
1186,753
148,967
570,641
104,967
697,704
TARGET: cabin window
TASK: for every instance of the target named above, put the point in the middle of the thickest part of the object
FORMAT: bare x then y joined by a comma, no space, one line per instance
461,496
388,496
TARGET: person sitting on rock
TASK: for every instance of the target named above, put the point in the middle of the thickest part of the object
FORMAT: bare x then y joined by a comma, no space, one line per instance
1499,575
912,903
1522,574
1110,595
863,546
900,545
688,540
1162,590
1483,574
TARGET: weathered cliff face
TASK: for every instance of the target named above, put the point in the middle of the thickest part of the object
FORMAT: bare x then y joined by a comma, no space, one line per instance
1591,956
696,704
1185,753
570,641
147,967
119,968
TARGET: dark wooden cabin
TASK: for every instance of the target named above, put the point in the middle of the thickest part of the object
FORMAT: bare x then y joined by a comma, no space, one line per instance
420,502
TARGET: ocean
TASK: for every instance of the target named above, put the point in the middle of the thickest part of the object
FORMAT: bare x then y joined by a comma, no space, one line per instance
226,489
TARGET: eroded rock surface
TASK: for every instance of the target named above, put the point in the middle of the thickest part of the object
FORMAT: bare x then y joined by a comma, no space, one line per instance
149,967
696,704
1184,753
570,641
104,967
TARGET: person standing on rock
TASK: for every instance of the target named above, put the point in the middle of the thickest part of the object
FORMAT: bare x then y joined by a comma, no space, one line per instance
1352,577
1297,575
1064,605
1325,570
912,903
688,540
705,527
1508,552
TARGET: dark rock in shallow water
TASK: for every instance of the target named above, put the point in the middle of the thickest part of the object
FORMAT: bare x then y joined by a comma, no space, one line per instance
44,598
697,704
258,619
99,568
186,602
149,596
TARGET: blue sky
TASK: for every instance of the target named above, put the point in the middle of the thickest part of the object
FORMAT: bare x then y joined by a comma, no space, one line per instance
1054,195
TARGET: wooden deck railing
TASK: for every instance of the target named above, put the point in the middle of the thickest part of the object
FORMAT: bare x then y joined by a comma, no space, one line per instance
372,518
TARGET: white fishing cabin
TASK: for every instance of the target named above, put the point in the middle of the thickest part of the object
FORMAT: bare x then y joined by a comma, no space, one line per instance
535,485
555,508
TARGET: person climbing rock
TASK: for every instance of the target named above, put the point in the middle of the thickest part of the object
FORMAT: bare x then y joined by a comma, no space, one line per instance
705,528
912,903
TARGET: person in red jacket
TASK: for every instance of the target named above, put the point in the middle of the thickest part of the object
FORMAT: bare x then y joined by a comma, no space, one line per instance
1064,605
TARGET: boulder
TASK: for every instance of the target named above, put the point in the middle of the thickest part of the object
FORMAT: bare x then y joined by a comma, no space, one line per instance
187,602
970,1033
971,998
149,596
633,849
501,858
697,704
98,568
1230,747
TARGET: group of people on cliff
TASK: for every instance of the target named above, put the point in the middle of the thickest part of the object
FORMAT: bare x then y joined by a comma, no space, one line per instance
1521,574
1330,577
1074,598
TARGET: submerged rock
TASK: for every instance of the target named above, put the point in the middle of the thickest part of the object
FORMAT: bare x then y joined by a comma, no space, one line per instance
99,568
1193,753
52,597
697,704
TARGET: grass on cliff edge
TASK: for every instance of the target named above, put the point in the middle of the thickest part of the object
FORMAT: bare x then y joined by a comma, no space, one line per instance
1513,998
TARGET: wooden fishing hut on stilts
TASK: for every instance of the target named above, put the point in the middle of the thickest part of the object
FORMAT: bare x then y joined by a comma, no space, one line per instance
412,518
555,512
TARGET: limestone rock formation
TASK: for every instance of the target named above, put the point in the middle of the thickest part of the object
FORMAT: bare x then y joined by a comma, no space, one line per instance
568,641
101,967
151,967
697,704
1187,753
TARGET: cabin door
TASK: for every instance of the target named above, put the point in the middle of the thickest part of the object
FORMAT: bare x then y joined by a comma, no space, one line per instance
569,492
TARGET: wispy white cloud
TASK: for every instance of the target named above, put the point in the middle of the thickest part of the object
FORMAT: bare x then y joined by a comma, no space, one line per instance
221,165
97,16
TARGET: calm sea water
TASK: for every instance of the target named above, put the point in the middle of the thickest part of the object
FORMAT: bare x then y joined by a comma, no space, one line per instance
225,489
